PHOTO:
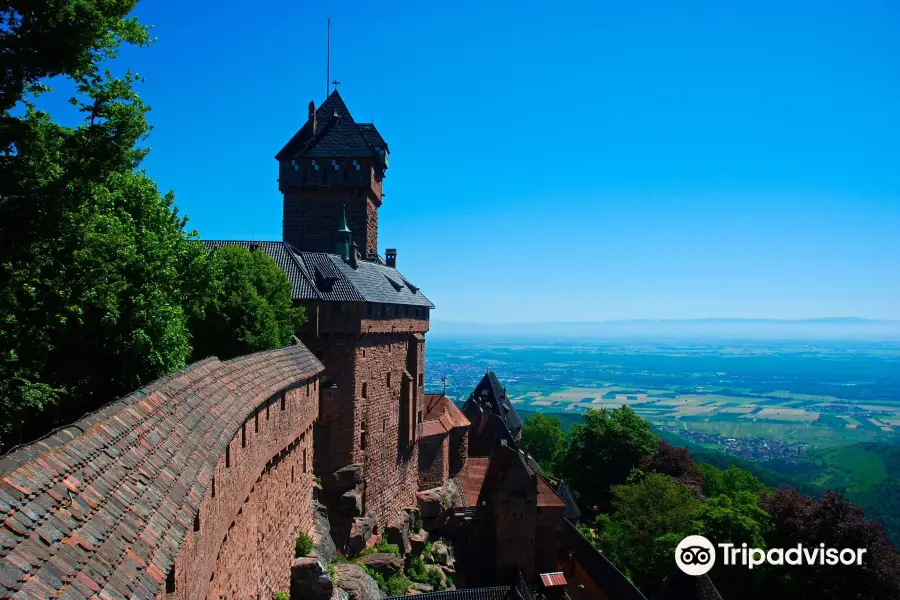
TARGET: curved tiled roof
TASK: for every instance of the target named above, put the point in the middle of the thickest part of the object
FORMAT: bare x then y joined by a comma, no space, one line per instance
102,507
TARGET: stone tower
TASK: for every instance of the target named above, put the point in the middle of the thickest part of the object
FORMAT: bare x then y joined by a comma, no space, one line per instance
332,164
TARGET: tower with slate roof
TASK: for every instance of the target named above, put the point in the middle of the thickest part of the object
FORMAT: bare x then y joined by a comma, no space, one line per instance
331,164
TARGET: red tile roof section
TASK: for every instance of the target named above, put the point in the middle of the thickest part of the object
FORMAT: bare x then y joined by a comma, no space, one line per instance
553,579
471,478
440,415
102,507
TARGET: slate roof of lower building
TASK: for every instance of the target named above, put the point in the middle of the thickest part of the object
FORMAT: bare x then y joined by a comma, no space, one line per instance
486,593
489,390
101,508
329,278
681,586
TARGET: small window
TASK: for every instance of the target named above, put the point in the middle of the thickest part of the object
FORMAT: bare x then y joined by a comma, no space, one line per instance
365,387
304,460
228,456
268,402
170,581
197,522
292,474
364,352
362,440
213,487
282,400
389,380
421,379
307,387
244,434
383,425
256,421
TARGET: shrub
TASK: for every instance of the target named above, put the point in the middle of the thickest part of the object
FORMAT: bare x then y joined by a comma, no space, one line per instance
426,553
436,579
418,525
303,546
417,570
282,596
386,548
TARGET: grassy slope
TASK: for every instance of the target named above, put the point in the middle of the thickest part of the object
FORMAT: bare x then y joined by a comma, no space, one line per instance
866,473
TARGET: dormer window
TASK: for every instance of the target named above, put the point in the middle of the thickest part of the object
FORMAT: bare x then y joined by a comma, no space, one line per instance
295,165
356,164
336,165
315,165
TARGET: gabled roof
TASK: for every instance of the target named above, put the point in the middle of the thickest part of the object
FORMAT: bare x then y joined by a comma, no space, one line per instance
440,415
337,134
328,277
489,391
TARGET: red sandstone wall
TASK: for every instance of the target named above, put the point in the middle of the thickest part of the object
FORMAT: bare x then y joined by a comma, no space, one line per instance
459,449
433,461
263,499
391,471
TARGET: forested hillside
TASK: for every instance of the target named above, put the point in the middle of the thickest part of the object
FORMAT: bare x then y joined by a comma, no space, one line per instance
867,474
642,495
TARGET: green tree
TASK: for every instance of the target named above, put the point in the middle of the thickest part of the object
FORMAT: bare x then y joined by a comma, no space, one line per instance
730,482
649,516
544,438
602,450
252,312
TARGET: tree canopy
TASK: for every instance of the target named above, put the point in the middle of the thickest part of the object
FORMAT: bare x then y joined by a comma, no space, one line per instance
102,286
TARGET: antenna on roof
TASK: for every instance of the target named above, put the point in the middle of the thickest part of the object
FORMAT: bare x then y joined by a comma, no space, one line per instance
328,60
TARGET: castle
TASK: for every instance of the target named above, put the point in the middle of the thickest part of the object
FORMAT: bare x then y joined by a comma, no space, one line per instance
198,485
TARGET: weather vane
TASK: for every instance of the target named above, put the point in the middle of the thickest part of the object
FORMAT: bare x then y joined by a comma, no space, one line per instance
335,83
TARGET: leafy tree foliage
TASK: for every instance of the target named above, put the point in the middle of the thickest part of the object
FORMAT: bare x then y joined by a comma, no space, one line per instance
101,284
602,451
253,310
836,523
544,438
676,463
650,515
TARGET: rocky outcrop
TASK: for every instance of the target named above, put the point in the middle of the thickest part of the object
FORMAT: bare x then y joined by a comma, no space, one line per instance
417,541
441,554
432,503
361,531
310,580
400,530
354,580
381,562
323,546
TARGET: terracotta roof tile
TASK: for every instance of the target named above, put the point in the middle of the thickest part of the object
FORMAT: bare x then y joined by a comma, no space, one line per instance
100,509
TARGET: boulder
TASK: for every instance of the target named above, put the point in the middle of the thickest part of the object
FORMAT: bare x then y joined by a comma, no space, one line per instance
417,541
360,533
430,503
422,587
441,554
398,533
384,563
356,582
309,579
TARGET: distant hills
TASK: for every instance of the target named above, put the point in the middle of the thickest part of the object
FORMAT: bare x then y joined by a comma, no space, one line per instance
735,328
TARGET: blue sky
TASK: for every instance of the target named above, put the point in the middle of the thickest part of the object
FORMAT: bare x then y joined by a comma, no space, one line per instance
565,161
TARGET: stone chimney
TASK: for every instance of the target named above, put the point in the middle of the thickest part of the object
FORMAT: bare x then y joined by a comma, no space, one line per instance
312,117
354,255
390,257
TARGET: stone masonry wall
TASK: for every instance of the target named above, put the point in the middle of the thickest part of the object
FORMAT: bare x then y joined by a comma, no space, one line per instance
390,470
433,461
459,449
241,544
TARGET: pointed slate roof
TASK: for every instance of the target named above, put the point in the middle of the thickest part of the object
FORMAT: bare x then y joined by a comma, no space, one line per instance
329,278
337,134
489,391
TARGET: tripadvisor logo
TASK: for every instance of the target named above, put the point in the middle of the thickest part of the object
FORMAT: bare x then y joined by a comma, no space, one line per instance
696,555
